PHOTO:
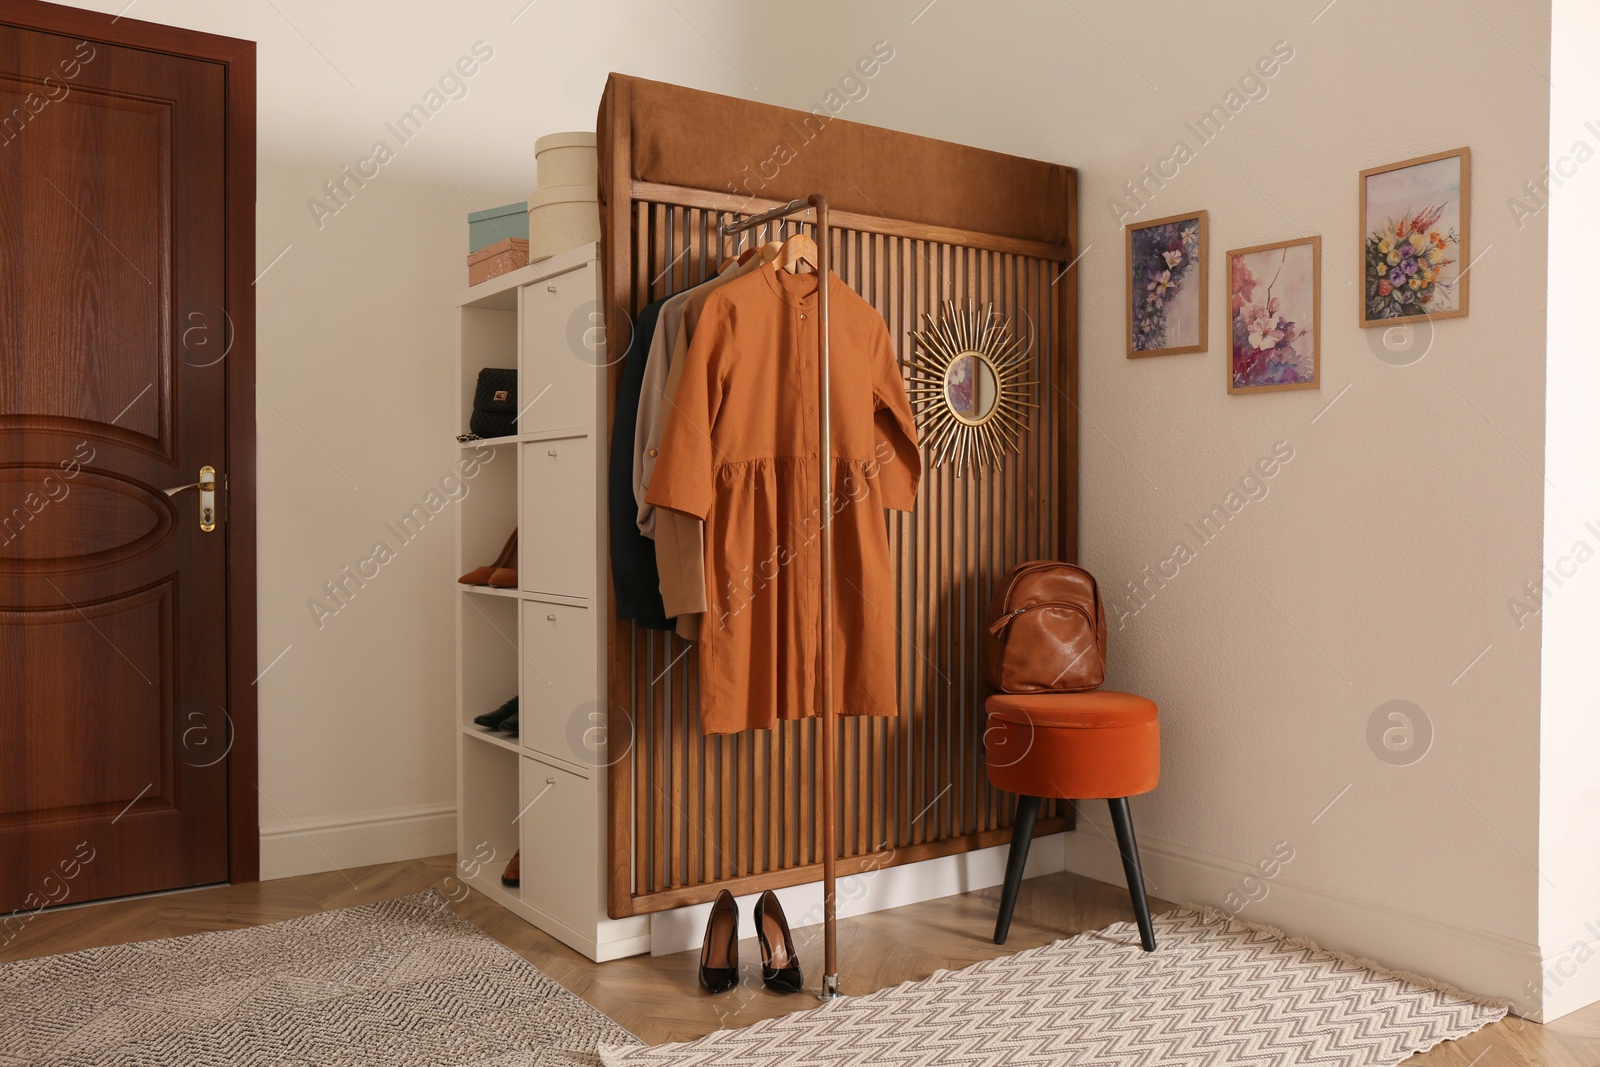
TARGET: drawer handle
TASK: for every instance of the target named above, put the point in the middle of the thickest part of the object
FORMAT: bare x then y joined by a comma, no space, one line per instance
552,618
549,781
552,452
551,288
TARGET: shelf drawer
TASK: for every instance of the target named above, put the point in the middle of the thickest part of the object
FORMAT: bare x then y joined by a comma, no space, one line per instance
557,547
562,353
560,680
560,845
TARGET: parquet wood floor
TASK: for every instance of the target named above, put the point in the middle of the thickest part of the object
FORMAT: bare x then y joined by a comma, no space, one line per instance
657,998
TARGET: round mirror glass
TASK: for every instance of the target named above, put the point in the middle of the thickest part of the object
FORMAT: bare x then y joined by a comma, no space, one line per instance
971,388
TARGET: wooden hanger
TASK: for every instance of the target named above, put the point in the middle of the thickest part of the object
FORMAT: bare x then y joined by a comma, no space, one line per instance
737,257
768,252
797,250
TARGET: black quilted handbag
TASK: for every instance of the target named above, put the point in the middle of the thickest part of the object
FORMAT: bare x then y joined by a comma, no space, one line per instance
494,403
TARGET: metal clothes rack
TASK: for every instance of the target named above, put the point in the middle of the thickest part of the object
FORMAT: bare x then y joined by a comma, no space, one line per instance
829,741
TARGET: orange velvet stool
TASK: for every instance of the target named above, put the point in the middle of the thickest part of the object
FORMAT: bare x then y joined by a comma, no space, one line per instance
1073,746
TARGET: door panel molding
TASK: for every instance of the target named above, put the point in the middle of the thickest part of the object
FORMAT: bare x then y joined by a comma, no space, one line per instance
237,62
135,135
40,506
140,625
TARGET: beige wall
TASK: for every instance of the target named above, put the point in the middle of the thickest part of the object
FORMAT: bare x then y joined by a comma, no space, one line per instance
1379,562
1378,565
356,351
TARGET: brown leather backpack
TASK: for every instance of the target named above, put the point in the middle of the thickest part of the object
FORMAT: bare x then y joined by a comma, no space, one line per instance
1047,630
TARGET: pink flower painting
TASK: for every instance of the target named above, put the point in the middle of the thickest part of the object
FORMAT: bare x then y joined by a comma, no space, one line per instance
1273,300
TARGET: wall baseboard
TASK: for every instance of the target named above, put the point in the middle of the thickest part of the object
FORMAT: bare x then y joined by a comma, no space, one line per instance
307,846
869,891
1477,961
1484,963
1571,972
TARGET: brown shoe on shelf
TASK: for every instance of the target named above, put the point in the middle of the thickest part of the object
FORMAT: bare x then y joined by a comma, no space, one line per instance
482,575
512,875
505,574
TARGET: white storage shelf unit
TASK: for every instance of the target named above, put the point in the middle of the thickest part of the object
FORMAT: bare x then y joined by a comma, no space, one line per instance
542,792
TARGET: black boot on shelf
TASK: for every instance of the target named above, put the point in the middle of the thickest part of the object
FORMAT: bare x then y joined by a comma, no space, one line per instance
512,726
494,720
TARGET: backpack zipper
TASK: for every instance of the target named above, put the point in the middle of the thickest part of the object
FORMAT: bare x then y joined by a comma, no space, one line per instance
1005,620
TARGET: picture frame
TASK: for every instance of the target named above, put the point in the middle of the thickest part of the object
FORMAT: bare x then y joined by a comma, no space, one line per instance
1275,316
1415,219
1167,275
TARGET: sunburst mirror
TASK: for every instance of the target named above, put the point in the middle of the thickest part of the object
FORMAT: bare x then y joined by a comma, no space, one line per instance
968,380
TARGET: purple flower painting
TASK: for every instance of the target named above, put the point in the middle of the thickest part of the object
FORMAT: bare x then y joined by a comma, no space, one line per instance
1414,239
1167,285
1274,304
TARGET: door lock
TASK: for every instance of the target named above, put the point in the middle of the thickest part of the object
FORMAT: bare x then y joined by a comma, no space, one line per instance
208,497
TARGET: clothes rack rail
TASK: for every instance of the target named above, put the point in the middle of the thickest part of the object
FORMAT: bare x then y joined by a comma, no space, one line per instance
830,786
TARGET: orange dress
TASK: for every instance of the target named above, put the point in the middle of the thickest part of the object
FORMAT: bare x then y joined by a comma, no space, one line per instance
739,451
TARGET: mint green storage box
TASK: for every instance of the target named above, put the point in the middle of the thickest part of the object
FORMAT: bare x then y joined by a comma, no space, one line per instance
496,224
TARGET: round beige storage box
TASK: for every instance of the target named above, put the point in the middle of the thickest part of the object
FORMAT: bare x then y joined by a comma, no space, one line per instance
566,159
564,211
561,218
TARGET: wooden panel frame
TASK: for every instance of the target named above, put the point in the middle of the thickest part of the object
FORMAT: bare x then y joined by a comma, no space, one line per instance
845,220
237,59
624,201
616,255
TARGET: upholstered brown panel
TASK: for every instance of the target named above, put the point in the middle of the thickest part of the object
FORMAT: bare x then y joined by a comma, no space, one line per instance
702,140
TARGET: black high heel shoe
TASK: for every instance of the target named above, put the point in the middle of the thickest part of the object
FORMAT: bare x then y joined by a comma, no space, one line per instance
780,965
494,719
719,955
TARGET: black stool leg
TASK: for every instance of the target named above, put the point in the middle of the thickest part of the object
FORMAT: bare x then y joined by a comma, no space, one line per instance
1016,859
1122,819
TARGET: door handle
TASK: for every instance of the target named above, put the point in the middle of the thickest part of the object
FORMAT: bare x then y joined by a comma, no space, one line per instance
208,497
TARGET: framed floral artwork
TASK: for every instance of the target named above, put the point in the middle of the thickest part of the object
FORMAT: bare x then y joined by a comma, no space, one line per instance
1414,218
1275,316
1167,285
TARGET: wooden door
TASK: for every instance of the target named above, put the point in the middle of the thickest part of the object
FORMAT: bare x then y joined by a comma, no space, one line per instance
114,729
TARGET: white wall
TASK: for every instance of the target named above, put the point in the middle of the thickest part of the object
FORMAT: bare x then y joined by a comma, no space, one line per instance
1569,827
1378,567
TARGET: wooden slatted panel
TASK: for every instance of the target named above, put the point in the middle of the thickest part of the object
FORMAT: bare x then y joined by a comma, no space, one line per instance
719,809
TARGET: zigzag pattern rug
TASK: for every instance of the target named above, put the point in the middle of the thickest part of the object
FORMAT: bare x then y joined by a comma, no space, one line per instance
406,981
1216,992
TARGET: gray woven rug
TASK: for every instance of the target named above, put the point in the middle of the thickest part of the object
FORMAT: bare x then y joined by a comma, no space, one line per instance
1215,992
402,982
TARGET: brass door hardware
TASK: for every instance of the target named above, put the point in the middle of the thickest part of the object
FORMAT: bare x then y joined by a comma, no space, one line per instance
208,497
